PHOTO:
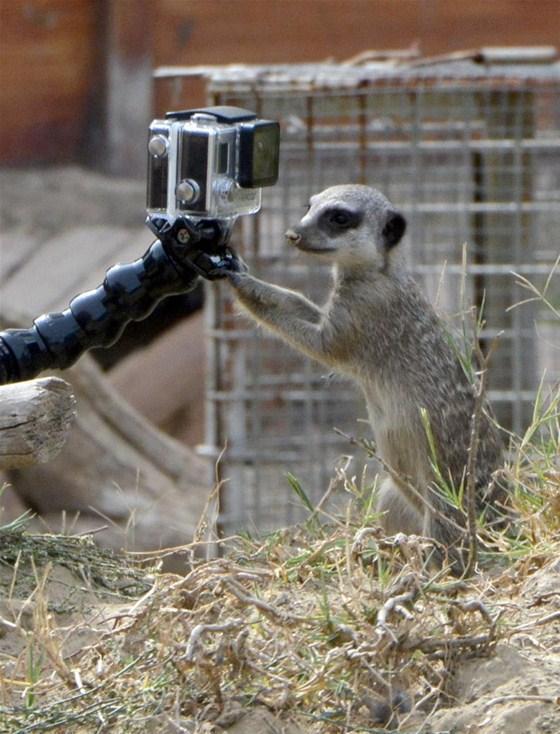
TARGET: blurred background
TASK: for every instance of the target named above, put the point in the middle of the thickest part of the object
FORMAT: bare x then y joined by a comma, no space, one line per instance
76,74
404,95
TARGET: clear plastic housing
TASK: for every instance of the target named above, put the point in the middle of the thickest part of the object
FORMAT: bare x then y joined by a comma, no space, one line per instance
200,155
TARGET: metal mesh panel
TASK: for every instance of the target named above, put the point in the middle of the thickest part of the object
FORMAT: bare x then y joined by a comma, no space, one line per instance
469,156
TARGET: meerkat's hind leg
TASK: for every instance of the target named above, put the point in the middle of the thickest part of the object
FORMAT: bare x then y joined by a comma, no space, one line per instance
398,515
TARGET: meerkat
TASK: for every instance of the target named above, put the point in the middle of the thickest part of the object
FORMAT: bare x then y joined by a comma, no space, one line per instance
377,328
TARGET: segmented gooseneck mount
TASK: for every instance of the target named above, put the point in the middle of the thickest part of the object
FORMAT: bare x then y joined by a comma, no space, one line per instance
183,251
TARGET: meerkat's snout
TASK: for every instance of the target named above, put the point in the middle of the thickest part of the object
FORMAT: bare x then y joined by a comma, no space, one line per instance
308,239
293,237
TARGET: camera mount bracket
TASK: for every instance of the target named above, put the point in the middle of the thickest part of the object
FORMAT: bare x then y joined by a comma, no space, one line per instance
130,292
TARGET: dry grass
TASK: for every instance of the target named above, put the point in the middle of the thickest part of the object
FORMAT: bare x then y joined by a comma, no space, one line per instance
335,625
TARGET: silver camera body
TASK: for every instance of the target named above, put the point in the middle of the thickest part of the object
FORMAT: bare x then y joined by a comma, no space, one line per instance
210,163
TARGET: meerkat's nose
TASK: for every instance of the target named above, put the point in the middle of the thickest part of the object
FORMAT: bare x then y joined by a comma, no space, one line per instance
293,237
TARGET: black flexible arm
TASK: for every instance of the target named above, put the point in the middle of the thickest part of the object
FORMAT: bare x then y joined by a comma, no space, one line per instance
129,292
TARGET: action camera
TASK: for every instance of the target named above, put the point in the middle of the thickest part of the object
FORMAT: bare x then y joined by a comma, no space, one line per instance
210,163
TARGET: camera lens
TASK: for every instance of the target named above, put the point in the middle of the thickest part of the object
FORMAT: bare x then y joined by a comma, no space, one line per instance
262,159
259,153
265,154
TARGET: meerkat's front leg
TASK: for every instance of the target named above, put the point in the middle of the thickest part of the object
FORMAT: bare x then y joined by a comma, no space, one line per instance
292,316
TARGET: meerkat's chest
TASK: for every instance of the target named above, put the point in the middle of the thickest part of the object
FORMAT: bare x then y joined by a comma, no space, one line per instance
390,407
357,341
398,433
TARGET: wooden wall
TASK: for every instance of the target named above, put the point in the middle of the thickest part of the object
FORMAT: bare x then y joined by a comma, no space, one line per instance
50,69
218,31
73,72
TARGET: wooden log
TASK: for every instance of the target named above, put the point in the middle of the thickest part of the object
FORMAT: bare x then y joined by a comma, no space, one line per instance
119,473
35,418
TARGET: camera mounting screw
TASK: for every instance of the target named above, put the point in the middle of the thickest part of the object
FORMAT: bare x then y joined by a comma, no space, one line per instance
183,236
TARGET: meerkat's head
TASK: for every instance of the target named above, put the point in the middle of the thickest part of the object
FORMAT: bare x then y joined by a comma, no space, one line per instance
350,225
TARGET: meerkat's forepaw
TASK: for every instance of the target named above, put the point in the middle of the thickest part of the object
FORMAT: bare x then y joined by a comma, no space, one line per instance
234,264
220,266
241,265
235,277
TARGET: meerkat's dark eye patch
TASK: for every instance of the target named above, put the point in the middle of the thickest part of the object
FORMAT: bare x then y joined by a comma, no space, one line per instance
394,229
339,219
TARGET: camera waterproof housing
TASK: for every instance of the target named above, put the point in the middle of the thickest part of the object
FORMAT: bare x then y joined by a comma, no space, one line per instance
210,163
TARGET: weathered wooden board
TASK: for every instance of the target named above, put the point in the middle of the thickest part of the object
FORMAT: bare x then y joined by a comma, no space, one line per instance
165,380
128,85
41,277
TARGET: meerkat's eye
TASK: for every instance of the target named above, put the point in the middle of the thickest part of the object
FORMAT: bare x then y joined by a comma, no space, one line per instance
340,219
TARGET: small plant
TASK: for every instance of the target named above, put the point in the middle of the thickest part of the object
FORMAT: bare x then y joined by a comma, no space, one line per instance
34,670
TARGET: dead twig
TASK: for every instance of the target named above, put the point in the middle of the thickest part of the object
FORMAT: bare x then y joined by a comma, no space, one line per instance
513,697
194,641
537,623
474,605
448,644
239,592
470,488
396,604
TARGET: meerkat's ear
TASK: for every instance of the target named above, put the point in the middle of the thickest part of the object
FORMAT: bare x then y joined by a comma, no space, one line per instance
394,229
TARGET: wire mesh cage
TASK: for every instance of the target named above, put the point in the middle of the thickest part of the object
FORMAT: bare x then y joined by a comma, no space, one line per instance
469,150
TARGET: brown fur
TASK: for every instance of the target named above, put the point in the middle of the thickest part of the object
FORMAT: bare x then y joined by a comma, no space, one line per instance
377,328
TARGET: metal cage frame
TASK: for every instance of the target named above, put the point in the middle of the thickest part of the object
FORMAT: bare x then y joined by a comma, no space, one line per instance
469,150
